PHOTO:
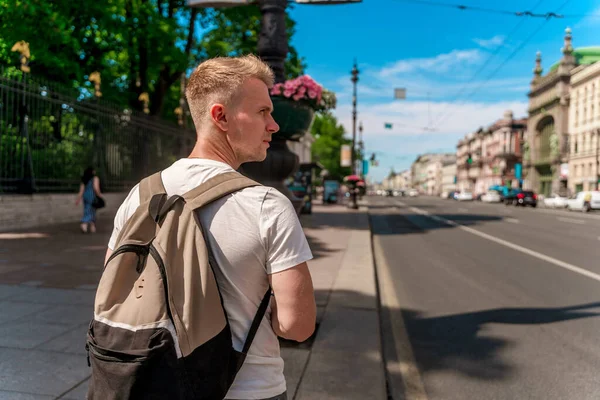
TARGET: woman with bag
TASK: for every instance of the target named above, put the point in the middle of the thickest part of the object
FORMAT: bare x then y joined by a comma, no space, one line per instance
89,191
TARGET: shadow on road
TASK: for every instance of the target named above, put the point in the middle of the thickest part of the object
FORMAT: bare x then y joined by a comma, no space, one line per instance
459,343
392,223
338,218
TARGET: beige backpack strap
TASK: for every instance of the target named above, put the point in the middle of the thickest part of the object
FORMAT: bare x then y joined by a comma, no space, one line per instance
150,186
217,187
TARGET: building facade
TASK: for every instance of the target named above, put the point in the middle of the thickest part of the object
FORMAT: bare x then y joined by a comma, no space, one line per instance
583,168
546,155
502,150
426,172
449,177
469,162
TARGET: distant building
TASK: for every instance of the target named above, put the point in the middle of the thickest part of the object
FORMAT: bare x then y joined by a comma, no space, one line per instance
426,172
583,170
547,153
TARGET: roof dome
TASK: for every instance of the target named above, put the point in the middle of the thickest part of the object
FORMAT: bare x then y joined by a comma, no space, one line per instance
583,56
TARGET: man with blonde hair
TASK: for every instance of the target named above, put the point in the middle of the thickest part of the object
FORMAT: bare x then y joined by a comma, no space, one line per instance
254,234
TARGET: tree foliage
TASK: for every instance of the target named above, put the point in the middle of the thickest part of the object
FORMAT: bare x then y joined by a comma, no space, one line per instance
136,45
326,149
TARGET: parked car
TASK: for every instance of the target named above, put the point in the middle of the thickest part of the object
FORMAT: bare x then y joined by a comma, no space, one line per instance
523,198
585,201
491,196
555,201
413,193
464,196
509,196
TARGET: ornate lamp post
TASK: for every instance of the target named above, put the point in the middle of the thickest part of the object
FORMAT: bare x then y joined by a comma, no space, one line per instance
353,204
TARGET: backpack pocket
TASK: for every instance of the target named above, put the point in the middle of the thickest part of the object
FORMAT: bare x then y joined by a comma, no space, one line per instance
146,369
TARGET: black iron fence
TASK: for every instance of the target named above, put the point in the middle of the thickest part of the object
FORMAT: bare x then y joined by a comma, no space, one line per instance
49,135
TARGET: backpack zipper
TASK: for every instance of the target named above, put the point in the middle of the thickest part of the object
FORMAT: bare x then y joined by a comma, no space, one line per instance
139,249
163,274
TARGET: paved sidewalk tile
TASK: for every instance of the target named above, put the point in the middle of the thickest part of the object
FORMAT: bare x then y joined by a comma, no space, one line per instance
40,372
78,393
54,296
12,310
27,334
5,395
72,342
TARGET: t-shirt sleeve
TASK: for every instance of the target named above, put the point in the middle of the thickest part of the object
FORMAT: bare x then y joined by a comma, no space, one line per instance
284,240
126,210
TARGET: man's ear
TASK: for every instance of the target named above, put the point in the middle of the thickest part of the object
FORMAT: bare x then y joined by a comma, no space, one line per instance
218,114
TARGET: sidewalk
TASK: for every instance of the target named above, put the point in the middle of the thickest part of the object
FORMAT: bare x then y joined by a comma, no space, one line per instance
47,284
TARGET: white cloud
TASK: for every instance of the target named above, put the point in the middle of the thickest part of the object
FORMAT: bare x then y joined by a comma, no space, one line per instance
440,64
410,118
490,43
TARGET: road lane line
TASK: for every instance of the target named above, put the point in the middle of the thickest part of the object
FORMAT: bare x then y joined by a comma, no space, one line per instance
463,209
511,245
512,220
572,220
414,389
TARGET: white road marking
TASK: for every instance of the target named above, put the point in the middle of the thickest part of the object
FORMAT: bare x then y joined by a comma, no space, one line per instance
512,220
414,389
572,220
463,209
513,246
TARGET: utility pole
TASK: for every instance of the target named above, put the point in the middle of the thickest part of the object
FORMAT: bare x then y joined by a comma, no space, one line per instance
354,79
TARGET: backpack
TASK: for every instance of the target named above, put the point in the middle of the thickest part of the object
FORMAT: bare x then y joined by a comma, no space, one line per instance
160,330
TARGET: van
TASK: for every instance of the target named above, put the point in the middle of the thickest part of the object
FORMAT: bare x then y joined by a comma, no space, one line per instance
585,201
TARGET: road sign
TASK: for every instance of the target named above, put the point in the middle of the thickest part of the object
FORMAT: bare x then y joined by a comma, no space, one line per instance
346,156
400,93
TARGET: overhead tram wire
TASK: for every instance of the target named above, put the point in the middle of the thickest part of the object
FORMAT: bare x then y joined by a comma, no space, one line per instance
463,7
540,27
442,114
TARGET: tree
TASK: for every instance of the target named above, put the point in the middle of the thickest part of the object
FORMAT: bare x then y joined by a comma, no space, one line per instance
136,45
326,149
236,31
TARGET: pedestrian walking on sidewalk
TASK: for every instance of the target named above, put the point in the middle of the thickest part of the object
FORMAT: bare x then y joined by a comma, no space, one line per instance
89,192
254,234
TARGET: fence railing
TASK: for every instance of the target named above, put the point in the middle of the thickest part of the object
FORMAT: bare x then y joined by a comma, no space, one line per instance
49,135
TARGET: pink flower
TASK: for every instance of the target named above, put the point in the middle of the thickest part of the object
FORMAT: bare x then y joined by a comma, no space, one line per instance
276,90
298,96
312,94
288,93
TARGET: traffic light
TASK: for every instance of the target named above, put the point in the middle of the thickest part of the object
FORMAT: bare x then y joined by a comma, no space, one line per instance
469,159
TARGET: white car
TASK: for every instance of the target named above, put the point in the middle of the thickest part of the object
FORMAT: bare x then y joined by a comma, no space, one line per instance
555,201
491,197
464,196
585,201
413,193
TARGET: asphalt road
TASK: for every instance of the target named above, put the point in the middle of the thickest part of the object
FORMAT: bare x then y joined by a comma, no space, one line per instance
487,301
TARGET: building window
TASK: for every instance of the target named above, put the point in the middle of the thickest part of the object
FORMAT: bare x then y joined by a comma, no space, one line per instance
576,145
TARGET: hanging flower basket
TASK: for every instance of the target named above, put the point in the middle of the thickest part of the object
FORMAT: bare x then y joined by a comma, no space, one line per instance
293,117
295,103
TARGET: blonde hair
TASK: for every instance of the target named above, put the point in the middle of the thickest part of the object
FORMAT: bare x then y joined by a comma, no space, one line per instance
219,79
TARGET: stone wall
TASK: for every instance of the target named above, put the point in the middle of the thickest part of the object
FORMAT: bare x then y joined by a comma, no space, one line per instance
31,211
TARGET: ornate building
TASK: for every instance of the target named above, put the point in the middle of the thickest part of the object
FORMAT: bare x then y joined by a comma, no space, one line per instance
548,123
584,127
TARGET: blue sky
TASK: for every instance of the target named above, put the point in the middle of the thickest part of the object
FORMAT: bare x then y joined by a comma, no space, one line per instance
435,53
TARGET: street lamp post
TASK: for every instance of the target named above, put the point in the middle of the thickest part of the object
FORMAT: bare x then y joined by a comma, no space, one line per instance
353,204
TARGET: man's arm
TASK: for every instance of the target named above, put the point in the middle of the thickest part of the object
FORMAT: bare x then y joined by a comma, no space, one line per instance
293,308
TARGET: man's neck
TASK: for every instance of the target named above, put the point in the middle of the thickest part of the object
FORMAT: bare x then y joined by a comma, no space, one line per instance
210,151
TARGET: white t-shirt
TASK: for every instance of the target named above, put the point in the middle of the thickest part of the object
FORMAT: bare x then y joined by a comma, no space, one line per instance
252,233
